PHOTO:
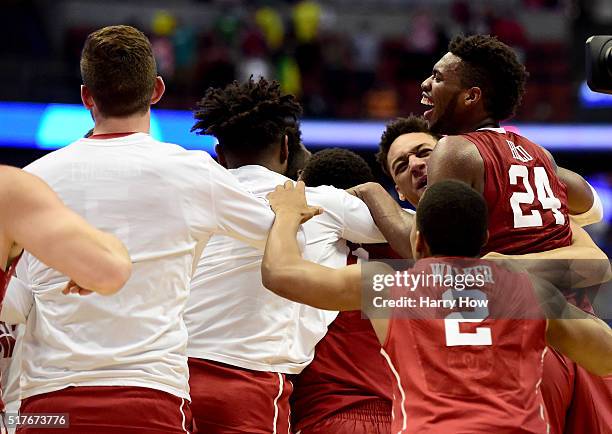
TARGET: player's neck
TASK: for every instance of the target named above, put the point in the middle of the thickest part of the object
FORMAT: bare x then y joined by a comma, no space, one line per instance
484,123
137,123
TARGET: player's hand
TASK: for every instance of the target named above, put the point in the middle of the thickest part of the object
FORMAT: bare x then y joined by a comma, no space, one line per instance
73,288
362,190
290,199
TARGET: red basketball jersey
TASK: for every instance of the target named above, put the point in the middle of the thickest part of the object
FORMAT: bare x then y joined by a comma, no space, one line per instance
5,276
348,369
526,200
469,376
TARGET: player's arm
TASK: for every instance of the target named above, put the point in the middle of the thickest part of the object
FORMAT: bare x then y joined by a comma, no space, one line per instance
455,157
285,273
581,198
40,223
585,339
583,263
394,223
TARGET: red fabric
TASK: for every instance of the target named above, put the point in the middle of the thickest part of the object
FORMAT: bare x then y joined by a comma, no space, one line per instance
111,409
373,417
557,388
498,158
591,409
5,277
469,388
231,400
110,135
348,370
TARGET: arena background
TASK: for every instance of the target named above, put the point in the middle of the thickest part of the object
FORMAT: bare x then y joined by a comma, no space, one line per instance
353,63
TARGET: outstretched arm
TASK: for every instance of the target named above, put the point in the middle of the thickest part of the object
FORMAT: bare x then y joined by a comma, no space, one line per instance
285,273
38,221
394,222
583,264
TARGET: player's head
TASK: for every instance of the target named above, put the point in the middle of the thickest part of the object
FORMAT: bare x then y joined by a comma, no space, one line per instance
404,149
254,122
451,220
479,78
337,167
119,73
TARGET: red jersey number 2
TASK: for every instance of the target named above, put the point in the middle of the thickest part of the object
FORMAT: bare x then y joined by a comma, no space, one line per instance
544,193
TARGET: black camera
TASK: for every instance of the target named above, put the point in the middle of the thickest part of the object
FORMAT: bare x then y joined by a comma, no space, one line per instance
599,63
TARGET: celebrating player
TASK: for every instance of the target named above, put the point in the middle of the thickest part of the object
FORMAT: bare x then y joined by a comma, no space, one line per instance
346,389
243,340
118,363
433,394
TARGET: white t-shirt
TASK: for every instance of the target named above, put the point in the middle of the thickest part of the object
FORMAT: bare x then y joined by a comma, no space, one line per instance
163,202
233,319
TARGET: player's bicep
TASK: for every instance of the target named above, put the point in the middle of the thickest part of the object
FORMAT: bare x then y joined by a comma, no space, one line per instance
580,197
452,158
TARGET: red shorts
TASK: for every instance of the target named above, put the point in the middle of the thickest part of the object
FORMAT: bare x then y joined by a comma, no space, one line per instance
557,388
112,409
231,400
373,417
591,408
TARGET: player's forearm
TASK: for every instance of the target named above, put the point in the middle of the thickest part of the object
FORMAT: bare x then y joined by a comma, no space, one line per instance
584,339
579,194
392,221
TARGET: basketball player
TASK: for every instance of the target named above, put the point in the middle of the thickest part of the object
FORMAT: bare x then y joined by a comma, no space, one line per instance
436,391
346,389
118,363
244,341
475,86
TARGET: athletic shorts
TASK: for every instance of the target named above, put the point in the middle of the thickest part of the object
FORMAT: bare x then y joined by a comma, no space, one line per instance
373,417
230,400
557,388
111,409
591,409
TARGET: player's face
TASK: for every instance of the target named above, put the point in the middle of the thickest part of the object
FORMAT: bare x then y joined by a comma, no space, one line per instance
407,162
441,92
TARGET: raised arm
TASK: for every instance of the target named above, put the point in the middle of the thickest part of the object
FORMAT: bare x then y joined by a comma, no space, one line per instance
285,273
38,221
394,222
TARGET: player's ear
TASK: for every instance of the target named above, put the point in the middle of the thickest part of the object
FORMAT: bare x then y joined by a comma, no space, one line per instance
284,149
486,238
220,155
86,97
399,193
158,90
473,95
420,246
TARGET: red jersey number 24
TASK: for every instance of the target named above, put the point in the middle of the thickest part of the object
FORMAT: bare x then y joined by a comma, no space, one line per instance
545,196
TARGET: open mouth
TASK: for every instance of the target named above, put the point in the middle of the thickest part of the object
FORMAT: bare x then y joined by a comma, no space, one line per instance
427,101
421,182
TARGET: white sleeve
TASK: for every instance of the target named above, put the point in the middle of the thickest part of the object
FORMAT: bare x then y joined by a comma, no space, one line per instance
225,207
594,215
19,298
359,226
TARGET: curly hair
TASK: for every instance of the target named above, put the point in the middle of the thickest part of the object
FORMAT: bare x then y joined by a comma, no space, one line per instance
337,167
396,128
494,67
249,117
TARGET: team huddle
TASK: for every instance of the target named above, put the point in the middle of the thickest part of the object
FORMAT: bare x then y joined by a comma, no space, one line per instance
153,289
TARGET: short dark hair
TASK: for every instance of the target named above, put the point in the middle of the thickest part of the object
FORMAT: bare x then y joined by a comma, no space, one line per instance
337,167
494,67
396,128
119,69
248,117
452,217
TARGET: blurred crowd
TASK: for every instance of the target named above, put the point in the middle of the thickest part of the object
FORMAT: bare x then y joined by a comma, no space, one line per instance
337,73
